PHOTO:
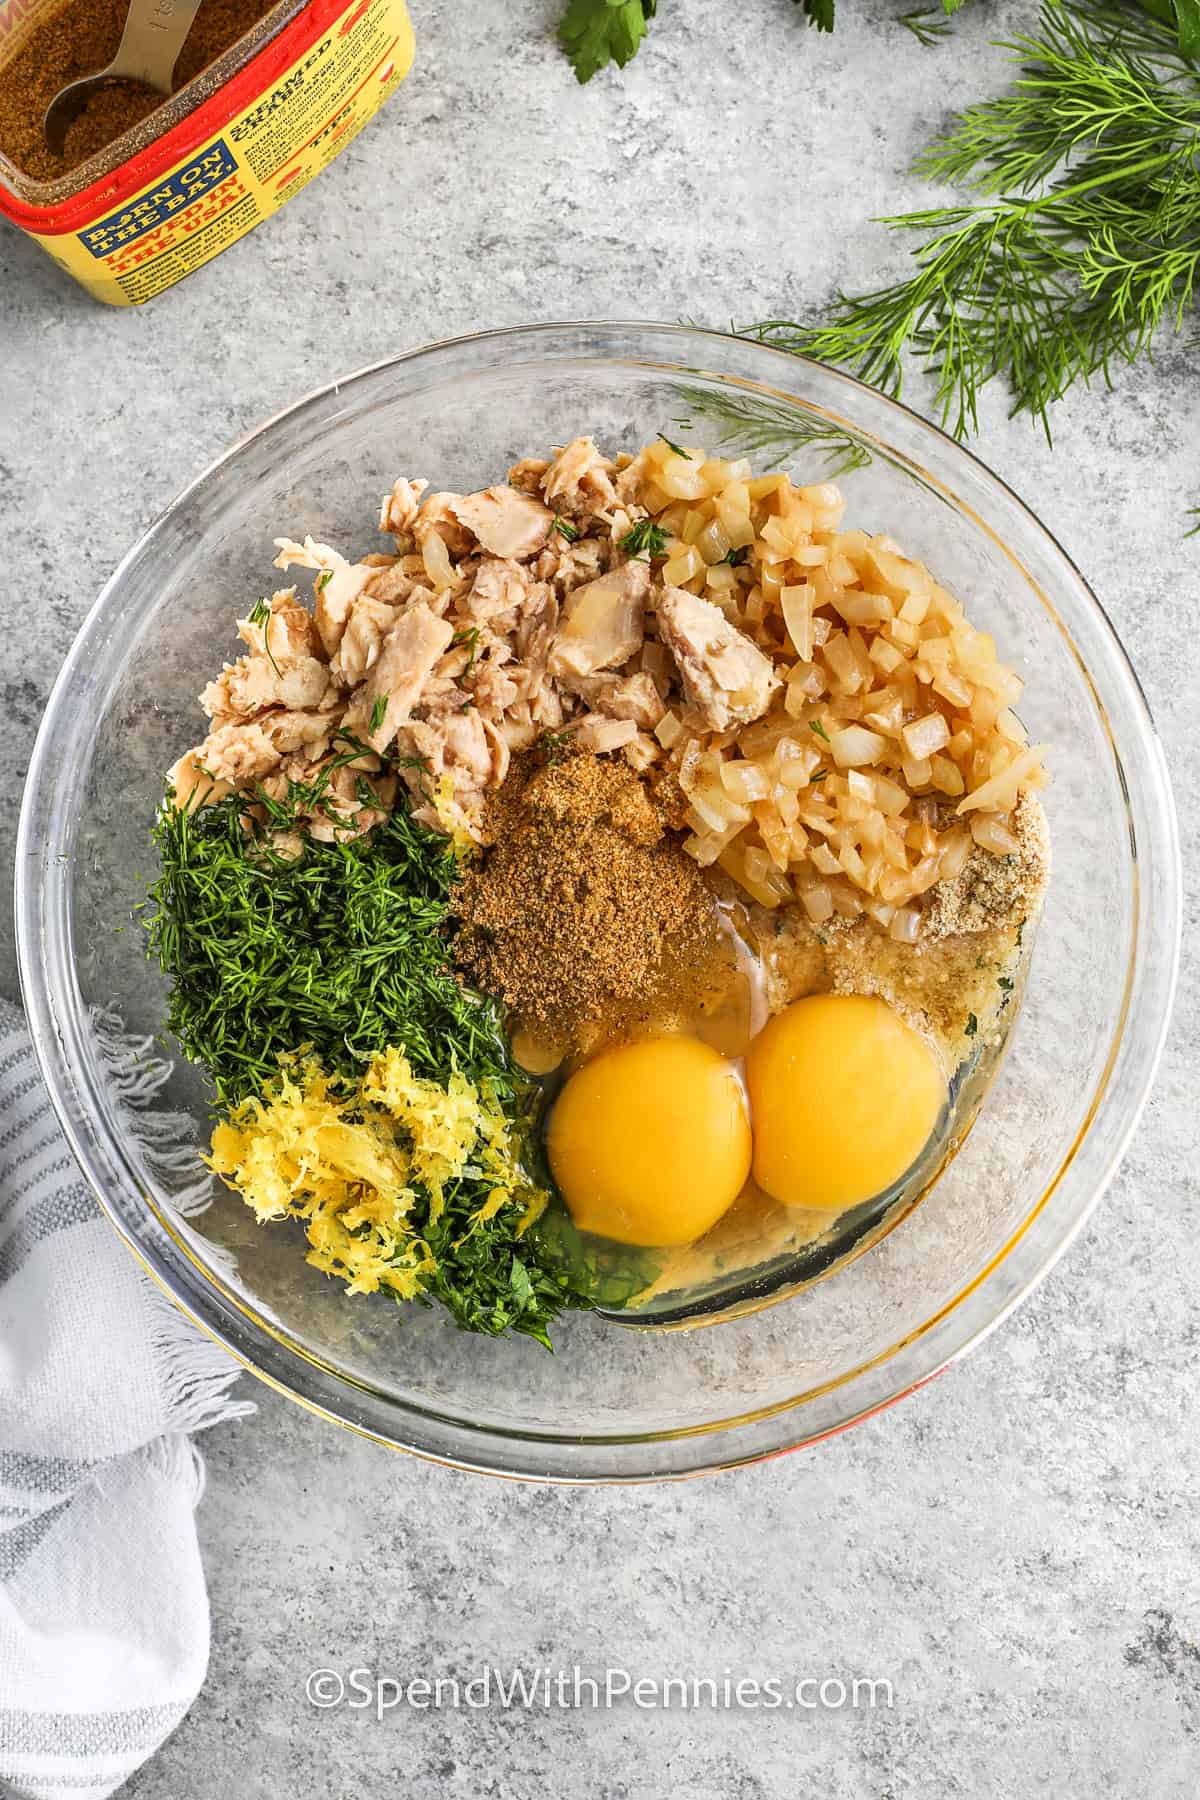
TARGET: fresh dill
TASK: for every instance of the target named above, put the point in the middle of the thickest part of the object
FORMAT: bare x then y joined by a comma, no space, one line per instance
469,637
1078,237
927,27
644,539
675,449
564,528
261,614
378,714
750,426
971,1027
737,556
344,949
552,746
820,776
323,580
816,726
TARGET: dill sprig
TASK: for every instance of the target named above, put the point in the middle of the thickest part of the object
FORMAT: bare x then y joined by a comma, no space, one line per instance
750,426
1082,241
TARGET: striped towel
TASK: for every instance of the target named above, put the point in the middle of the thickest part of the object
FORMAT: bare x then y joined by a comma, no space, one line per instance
103,1612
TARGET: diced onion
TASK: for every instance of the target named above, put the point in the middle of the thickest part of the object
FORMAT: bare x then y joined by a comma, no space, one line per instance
855,747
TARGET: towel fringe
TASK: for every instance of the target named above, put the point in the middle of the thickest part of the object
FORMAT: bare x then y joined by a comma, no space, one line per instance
195,1373
167,1140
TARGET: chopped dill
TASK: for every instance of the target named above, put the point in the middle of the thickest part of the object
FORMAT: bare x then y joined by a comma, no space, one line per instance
676,449
971,1027
736,556
261,614
378,713
644,539
552,746
344,949
470,637
816,726
564,528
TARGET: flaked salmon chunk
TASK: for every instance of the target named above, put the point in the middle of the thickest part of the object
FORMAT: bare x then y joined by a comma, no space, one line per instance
398,676
602,622
505,521
727,679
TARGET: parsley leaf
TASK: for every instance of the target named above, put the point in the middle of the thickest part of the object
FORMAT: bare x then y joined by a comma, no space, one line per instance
596,32
819,13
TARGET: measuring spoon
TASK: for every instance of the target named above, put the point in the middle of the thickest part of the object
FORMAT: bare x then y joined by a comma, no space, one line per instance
154,35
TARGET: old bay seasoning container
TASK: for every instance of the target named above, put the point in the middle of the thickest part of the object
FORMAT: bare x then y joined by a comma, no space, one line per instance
224,153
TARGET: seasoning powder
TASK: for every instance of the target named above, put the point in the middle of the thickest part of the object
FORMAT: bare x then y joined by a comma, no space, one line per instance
583,916
248,134
78,39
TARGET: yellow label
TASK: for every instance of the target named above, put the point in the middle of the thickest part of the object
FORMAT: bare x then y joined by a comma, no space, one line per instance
250,168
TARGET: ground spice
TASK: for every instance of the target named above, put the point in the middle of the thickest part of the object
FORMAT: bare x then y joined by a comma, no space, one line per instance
78,39
584,915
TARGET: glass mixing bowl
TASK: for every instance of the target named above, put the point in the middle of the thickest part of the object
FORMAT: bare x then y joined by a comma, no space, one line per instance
611,1403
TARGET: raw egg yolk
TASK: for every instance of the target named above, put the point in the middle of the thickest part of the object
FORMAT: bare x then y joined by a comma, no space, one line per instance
844,1095
650,1142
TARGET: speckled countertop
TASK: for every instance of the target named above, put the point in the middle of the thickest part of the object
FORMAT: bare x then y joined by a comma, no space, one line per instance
1015,1550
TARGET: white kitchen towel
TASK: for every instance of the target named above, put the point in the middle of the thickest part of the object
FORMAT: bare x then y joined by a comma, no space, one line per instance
104,1627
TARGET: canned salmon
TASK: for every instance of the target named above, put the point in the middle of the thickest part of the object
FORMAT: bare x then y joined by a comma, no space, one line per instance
224,153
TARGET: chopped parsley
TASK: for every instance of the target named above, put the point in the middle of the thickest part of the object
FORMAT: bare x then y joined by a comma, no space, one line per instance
1005,984
644,539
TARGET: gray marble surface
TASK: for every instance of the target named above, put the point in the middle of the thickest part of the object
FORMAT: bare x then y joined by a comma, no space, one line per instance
1015,1550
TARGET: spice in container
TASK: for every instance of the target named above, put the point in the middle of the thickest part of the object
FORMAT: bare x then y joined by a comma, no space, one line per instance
74,40
150,189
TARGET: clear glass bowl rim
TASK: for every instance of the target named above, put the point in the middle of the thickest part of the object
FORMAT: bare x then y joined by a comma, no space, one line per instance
55,1007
